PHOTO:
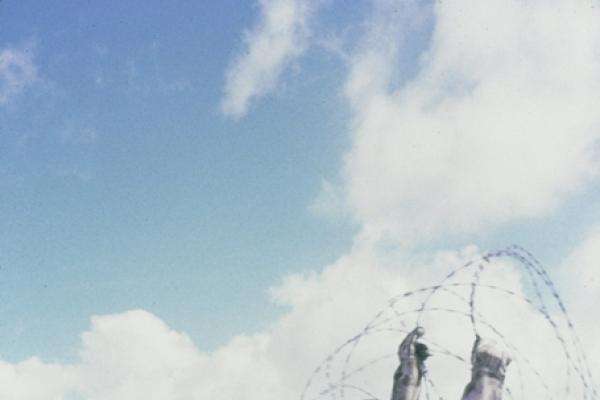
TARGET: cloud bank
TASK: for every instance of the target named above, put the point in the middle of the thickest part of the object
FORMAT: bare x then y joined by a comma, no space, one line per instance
134,355
500,122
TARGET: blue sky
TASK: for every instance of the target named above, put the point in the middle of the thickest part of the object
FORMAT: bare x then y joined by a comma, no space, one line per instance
124,186
125,182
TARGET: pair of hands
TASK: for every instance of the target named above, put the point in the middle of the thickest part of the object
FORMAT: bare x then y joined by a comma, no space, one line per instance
485,354
489,365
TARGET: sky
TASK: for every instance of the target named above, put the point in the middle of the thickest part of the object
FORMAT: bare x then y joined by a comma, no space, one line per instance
199,199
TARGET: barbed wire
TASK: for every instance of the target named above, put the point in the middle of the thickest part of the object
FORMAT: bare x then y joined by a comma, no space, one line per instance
338,375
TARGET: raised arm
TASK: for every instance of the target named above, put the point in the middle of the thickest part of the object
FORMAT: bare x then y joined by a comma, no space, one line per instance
488,371
408,376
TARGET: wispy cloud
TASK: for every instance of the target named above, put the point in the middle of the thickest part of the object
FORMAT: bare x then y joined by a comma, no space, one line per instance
17,71
280,36
329,202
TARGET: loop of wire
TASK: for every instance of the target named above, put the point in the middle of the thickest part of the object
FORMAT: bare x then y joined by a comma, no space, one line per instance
339,372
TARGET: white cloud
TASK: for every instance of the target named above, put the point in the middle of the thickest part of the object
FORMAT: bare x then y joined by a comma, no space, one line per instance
34,380
497,124
500,122
582,268
579,276
280,37
330,202
17,71
134,355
